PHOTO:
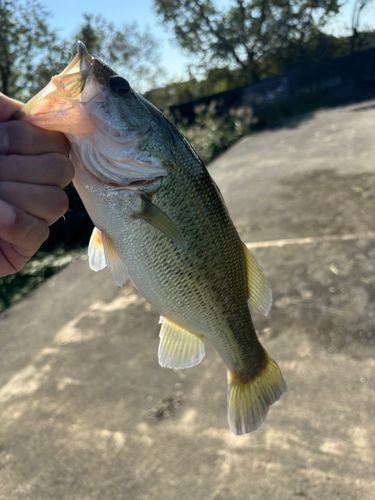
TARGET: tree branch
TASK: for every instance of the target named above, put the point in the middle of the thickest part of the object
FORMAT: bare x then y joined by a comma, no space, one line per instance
219,37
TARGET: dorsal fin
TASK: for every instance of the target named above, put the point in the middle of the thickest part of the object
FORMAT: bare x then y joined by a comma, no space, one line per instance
258,288
178,348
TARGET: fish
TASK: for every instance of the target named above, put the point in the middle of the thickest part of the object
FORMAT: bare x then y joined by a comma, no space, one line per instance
161,220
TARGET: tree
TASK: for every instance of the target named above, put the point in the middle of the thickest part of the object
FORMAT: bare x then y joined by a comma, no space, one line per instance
30,51
241,36
359,5
126,49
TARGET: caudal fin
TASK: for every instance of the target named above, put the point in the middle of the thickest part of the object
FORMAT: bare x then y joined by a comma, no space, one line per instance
248,402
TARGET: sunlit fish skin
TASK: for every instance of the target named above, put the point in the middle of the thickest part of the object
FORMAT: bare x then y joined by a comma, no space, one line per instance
161,220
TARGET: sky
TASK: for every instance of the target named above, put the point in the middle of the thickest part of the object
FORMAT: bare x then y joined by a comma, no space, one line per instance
119,11
67,15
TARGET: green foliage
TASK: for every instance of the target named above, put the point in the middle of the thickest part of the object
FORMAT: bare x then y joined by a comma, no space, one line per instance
125,48
213,133
317,48
174,93
30,51
217,80
247,35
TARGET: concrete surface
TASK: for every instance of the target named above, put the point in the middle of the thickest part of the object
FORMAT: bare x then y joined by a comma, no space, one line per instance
86,413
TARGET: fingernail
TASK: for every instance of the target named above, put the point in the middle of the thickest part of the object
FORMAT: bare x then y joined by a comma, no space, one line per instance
4,141
7,214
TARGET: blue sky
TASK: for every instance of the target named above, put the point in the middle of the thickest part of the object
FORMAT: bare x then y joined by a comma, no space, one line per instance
119,11
67,15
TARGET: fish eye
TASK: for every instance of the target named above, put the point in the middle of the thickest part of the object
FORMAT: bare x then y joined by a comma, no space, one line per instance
119,84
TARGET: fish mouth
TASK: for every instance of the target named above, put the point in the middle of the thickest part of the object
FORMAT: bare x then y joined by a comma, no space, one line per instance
63,90
79,49
71,81
80,59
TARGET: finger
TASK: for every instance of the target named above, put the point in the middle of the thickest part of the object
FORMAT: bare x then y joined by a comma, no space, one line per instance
8,107
47,203
50,169
20,237
17,137
11,261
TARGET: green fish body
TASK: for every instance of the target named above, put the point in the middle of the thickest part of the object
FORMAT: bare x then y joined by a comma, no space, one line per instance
161,220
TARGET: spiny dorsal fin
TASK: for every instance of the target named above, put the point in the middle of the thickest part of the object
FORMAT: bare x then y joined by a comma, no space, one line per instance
259,290
114,261
96,251
157,218
178,348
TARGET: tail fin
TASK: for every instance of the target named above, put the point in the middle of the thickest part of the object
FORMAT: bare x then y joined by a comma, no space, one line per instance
248,402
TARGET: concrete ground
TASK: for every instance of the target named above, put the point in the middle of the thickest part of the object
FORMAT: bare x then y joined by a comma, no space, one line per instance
87,413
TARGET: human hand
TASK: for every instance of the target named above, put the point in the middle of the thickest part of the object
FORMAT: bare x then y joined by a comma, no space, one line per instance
34,167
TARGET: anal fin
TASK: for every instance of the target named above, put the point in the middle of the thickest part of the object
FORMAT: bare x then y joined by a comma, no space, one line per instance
259,290
178,348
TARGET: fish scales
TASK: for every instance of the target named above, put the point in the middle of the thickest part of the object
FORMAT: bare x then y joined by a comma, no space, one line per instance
204,287
161,220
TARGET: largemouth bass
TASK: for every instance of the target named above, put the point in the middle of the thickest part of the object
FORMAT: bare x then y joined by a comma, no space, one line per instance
161,220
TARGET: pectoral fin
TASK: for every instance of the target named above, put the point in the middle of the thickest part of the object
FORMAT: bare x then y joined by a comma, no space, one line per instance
178,348
157,218
114,261
259,290
96,251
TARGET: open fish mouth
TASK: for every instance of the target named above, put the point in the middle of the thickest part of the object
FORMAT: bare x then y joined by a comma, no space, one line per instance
80,60
63,93
80,51
119,147
71,81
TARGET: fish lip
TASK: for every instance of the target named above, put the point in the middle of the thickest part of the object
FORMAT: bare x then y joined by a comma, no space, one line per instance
78,49
81,55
